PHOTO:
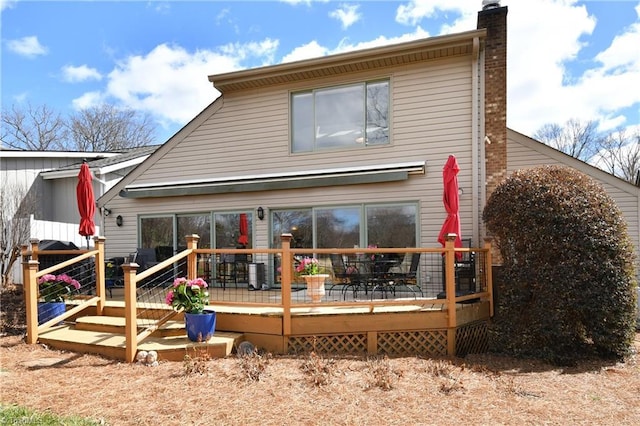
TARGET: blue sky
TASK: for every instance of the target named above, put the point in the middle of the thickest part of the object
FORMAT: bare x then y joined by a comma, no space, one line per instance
567,59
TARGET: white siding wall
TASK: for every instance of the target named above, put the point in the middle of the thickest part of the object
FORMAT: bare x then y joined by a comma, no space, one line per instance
24,173
431,118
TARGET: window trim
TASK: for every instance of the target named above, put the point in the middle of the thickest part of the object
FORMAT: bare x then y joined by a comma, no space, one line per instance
313,91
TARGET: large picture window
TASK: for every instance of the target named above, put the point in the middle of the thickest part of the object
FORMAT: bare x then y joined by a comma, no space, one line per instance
393,225
340,117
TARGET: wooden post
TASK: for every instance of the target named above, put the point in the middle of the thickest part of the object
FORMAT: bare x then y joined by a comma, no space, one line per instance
29,269
192,258
34,248
286,265
24,254
488,267
450,288
100,271
130,310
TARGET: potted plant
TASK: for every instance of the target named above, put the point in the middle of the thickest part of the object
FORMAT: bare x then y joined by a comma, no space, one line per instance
54,290
191,296
310,270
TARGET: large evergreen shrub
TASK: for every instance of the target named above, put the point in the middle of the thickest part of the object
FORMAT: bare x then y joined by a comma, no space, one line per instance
568,264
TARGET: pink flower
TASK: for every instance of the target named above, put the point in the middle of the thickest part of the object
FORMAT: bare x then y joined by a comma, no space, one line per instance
308,265
46,278
179,281
169,299
199,282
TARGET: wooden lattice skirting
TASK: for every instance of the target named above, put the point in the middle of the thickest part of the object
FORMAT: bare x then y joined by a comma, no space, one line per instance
421,342
472,338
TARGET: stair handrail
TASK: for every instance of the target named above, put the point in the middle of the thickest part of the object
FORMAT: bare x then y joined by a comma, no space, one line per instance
131,279
30,266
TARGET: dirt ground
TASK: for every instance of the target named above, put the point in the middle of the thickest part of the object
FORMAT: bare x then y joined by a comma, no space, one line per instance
310,390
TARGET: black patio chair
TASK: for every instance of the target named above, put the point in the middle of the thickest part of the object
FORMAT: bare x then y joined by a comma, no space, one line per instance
346,276
406,275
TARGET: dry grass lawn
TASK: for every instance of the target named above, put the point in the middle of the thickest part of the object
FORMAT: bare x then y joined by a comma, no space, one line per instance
315,390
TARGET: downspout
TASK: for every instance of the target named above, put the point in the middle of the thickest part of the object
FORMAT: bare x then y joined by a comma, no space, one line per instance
478,166
104,188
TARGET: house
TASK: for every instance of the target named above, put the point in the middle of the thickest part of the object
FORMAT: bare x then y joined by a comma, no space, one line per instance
340,151
44,184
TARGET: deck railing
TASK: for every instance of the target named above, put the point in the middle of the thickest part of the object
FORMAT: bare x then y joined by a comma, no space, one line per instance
85,266
144,292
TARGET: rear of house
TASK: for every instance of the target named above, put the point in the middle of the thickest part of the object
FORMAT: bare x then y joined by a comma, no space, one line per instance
343,151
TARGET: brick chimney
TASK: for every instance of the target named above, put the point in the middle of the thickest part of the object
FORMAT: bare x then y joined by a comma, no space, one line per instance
494,19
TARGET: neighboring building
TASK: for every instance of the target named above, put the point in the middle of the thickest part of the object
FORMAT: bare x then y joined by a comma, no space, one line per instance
48,180
341,151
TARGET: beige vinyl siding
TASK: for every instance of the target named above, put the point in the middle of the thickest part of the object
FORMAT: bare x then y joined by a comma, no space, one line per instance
249,134
524,153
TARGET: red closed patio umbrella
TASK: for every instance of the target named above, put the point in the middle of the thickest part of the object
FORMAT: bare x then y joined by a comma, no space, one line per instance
451,203
86,202
243,240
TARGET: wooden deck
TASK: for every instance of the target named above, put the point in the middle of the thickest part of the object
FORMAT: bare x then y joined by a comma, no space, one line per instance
419,328
280,321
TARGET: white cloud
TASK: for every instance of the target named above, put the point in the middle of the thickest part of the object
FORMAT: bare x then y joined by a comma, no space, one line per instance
7,4
307,51
541,90
414,11
544,37
171,83
347,15
73,74
87,100
265,50
28,46
315,50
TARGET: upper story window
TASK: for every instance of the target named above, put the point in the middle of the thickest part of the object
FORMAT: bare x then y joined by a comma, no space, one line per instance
340,117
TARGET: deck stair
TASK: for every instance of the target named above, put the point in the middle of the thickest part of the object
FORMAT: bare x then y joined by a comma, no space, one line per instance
105,335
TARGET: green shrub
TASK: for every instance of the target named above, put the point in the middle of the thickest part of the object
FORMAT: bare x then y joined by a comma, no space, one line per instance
569,278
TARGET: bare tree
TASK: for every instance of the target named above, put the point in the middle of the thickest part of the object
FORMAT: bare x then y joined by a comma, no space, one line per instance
574,138
619,154
30,128
15,229
108,128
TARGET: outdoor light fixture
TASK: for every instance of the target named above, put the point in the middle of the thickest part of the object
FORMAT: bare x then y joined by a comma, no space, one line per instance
260,213
107,212
460,191
119,220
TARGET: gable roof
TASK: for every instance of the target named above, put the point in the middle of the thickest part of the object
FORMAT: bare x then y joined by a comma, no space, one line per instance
573,162
108,163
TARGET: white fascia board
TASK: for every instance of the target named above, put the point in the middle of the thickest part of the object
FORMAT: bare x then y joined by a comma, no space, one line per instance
97,171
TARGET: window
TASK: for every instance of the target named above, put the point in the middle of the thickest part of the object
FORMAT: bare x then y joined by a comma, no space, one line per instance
156,232
391,226
298,223
338,227
199,224
342,227
233,230
340,117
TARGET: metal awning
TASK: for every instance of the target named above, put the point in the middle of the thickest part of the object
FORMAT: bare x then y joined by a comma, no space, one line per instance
270,182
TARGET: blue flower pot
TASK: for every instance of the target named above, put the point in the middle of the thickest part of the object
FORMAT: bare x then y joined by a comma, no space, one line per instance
200,327
50,310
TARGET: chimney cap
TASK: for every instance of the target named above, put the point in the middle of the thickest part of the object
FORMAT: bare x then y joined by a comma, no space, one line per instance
490,4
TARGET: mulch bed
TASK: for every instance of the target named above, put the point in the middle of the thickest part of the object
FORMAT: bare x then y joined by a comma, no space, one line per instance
312,390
